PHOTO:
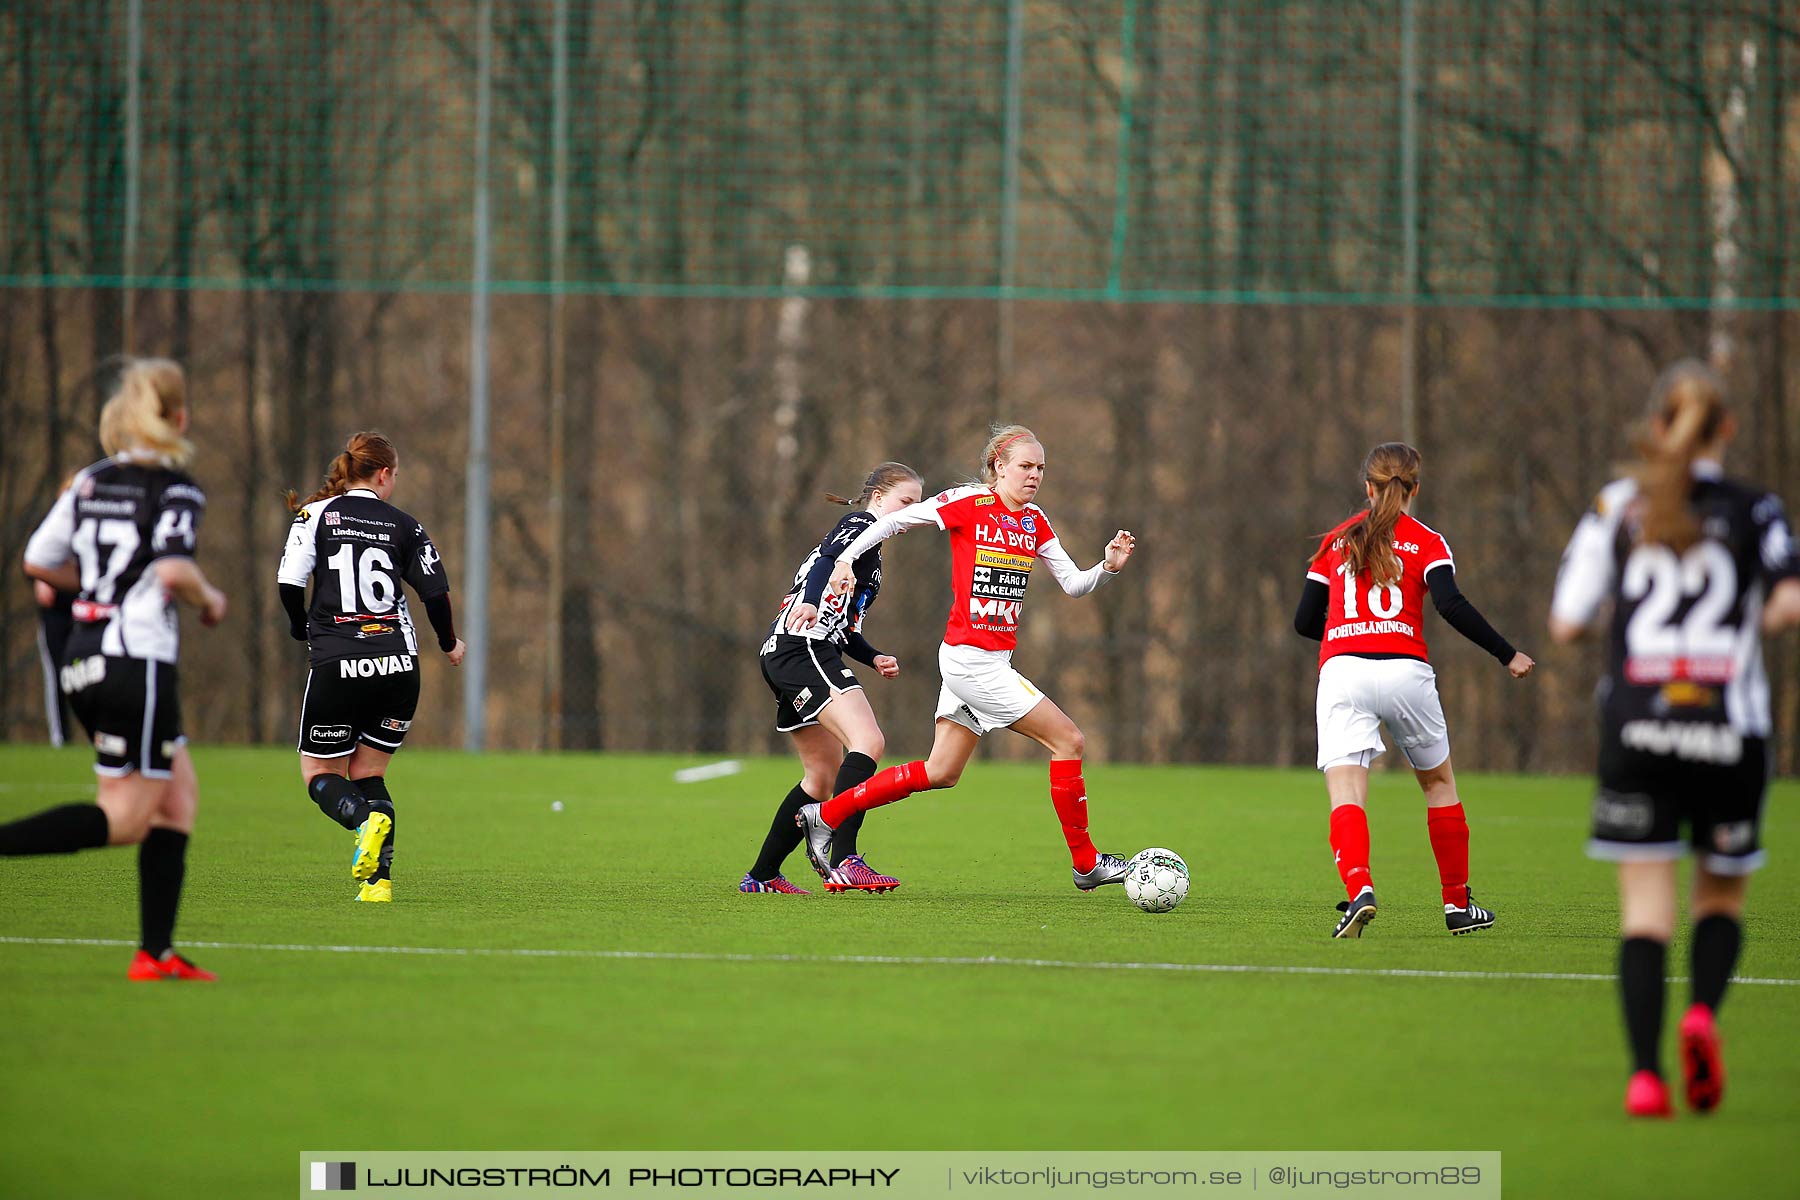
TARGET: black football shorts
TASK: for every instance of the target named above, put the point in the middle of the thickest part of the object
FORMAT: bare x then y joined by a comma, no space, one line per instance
132,708
366,700
804,674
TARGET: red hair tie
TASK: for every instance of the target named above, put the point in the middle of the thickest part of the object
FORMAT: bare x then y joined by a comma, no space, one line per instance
1001,448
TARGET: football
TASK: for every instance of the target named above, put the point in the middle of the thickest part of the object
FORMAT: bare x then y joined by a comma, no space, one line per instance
1156,880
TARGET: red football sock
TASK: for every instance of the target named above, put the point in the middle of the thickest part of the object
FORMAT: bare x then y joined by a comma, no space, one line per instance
1449,830
884,787
1350,847
1068,793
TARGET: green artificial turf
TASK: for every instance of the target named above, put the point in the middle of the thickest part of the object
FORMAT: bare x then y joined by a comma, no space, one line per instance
110,1088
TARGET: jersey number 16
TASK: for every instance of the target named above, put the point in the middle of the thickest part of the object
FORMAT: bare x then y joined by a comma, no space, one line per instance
377,588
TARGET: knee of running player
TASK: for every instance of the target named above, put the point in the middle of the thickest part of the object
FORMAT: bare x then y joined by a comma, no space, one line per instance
1718,895
1647,900
941,774
181,799
1438,784
817,783
128,811
1072,743
873,744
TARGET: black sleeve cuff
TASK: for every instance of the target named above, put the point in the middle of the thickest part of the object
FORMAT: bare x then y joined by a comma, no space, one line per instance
1309,618
293,602
859,649
437,611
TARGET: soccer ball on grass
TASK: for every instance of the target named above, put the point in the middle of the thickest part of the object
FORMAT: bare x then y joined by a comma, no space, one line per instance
1156,880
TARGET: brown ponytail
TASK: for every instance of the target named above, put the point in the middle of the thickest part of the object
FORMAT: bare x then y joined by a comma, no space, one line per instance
364,455
1687,409
1368,544
887,475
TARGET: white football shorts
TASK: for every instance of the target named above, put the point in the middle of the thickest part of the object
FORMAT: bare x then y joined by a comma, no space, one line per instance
1357,694
981,690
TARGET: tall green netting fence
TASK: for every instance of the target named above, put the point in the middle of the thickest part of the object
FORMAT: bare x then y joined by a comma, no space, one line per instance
742,249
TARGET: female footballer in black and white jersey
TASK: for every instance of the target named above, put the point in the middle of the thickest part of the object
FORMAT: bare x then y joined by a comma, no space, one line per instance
817,699
122,536
363,685
1697,567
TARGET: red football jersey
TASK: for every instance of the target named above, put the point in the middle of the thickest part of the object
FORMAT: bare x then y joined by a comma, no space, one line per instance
992,549
1361,618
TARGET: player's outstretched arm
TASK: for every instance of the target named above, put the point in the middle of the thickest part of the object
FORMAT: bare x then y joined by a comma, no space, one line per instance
183,579
1466,619
843,575
1073,579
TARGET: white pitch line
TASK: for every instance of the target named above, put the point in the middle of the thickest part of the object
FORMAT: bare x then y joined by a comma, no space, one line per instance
889,960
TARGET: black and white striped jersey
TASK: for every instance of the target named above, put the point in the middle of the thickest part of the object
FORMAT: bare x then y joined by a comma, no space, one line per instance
117,518
839,616
357,550
1686,630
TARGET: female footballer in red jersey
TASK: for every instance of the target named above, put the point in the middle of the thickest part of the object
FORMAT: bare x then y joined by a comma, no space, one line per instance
818,701
1697,568
1364,603
996,536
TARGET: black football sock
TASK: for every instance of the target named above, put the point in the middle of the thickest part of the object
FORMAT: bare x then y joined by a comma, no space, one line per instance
1641,989
339,799
162,865
1716,942
375,790
782,837
61,830
856,769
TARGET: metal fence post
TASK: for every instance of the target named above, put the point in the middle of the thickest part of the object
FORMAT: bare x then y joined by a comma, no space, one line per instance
1409,221
1122,171
559,236
134,139
476,532
1009,199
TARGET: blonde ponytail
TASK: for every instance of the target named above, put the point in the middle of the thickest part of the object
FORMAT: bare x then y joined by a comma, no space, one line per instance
141,418
1688,403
